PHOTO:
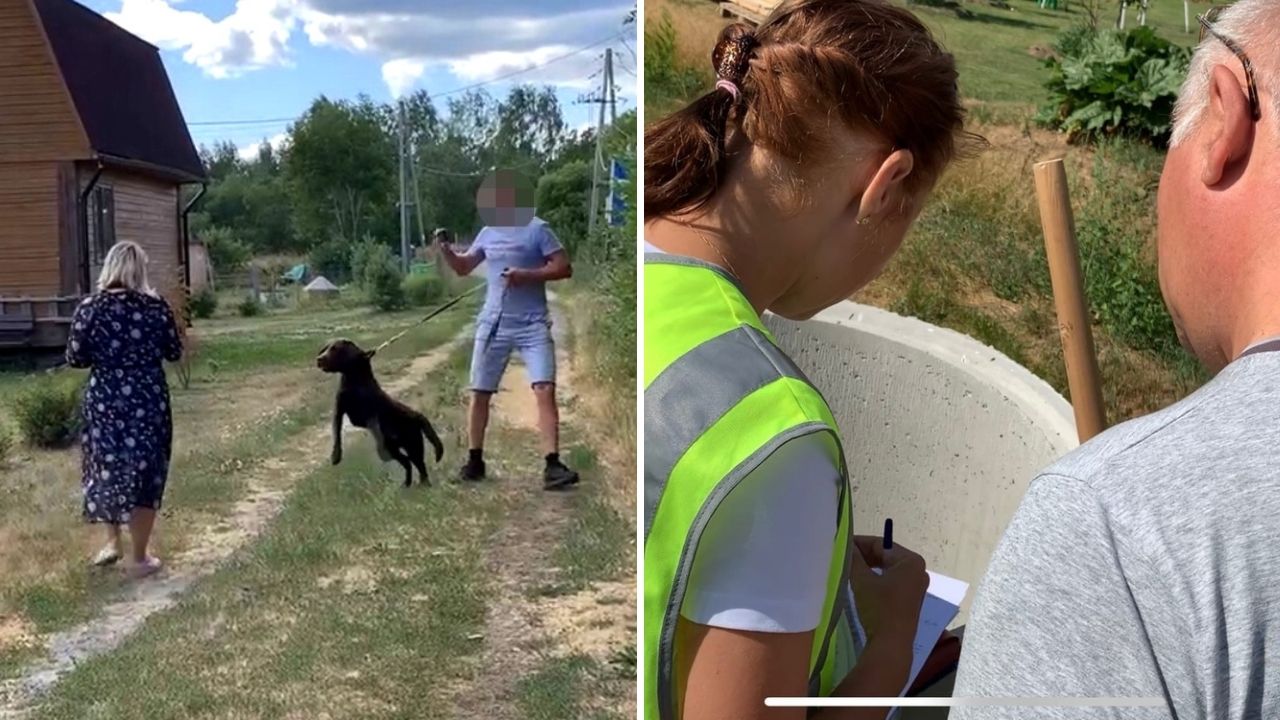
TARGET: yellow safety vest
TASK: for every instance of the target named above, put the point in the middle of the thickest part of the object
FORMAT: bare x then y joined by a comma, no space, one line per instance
720,397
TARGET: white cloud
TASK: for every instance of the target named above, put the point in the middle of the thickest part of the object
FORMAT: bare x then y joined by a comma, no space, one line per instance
475,41
569,72
255,35
250,151
401,74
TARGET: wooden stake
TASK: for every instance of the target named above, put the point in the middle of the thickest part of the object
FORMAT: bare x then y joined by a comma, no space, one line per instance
1068,296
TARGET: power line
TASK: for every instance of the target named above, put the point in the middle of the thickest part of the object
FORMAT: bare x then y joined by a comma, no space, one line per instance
455,91
539,66
262,121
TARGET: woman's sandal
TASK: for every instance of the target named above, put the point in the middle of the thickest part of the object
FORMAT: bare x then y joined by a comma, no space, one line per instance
106,557
147,567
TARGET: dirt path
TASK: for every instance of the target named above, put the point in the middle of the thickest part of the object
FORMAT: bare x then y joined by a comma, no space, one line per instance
268,482
523,629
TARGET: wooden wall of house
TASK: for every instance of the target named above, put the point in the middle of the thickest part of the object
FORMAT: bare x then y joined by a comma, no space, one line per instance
37,118
40,133
29,229
147,213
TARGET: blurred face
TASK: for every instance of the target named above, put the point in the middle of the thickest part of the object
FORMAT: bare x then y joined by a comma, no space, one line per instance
505,199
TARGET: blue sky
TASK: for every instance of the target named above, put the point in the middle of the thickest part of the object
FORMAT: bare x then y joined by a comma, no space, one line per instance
232,60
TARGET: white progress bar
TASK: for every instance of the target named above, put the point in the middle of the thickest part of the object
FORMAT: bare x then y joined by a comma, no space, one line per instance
1116,702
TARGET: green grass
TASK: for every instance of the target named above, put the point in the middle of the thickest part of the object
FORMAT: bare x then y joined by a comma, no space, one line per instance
359,600
50,607
295,341
387,635
594,546
14,658
941,308
556,691
364,599
992,49
581,457
205,480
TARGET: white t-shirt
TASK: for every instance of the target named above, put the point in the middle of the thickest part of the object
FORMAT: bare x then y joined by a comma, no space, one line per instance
762,561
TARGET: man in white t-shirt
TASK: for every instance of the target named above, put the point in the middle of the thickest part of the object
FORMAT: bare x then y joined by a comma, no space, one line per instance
521,255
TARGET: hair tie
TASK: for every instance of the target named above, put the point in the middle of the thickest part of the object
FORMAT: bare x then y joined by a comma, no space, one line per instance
731,58
723,84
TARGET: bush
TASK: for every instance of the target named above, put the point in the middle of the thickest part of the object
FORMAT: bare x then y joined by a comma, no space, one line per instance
332,259
364,253
1073,41
667,80
226,252
249,307
48,410
564,199
1114,83
422,290
382,282
204,303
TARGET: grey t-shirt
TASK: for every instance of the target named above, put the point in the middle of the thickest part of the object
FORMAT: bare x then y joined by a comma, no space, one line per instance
526,247
1145,563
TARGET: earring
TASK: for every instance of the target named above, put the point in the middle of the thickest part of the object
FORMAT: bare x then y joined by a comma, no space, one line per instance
864,220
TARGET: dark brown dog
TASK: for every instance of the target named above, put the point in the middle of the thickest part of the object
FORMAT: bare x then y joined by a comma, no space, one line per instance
396,428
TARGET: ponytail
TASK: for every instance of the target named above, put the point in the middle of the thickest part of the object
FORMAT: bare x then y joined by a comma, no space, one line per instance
866,63
684,156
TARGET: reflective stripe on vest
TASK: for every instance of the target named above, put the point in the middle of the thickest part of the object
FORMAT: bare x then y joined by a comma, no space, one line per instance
720,398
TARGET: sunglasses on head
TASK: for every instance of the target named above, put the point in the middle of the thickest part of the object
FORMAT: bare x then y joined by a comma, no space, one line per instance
1206,27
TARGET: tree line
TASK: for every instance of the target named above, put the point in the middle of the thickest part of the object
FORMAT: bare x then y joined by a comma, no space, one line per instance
333,184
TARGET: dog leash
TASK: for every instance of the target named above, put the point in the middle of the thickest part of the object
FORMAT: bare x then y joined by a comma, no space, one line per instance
432,314
493,331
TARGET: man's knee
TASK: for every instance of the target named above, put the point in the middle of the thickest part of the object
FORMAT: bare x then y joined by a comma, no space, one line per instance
544,389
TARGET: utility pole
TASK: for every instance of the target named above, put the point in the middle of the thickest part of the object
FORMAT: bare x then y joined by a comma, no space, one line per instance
404,205
607,97
613,89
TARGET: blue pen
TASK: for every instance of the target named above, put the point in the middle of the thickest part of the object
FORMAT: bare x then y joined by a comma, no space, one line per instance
888,533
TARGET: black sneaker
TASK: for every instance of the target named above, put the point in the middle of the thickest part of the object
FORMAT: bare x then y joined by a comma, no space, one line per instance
473,471
557,476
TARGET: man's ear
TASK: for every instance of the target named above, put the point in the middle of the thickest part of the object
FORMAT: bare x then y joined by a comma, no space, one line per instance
886,184
1230,124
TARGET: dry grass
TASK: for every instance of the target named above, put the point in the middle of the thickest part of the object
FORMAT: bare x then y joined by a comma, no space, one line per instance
696,22
608,416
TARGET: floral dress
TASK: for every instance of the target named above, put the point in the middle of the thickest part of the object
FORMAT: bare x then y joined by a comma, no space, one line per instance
124,336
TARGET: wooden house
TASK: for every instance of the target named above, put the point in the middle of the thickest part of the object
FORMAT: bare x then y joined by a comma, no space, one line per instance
93,149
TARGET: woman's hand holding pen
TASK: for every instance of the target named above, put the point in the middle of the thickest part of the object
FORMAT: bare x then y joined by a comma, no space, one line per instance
888,601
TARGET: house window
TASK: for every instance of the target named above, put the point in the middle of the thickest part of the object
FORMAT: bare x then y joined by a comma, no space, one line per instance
102,222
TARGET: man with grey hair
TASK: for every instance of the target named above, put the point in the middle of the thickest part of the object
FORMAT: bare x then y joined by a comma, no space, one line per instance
1146,564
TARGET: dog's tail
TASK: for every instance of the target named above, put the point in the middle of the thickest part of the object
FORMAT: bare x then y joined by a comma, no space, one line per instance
431,435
